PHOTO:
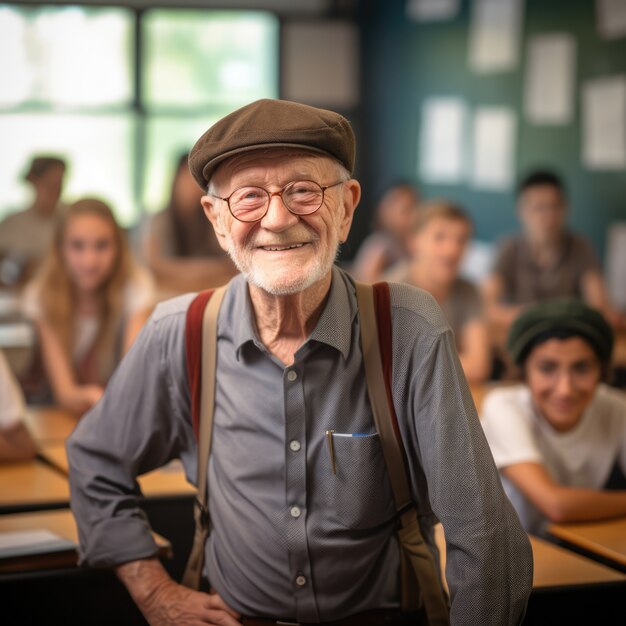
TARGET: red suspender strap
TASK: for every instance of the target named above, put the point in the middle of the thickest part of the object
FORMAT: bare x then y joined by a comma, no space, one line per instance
193,348
382,305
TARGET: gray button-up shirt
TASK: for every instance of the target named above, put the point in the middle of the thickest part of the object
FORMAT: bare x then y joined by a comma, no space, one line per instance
291,538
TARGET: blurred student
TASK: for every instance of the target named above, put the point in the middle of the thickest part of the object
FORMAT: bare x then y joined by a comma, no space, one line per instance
179,246
16,443
25,236
559,438
88,302
546,260
439,241
395,217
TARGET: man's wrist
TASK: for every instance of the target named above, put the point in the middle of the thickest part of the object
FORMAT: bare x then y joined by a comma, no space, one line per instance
144,579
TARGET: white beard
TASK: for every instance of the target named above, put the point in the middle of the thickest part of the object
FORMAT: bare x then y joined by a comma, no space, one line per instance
288,282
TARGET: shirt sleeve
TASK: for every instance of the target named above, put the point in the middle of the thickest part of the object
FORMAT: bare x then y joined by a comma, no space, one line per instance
508,430
141,423
504,259
489,558
585,255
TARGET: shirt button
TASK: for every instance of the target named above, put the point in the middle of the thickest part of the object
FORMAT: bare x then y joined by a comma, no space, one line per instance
292,375
300,581
294,446
295,511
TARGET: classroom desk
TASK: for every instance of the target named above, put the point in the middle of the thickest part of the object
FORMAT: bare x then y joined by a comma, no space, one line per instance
604,540
567,588
31,486
59,592
60,523
554,567
167,501
49,424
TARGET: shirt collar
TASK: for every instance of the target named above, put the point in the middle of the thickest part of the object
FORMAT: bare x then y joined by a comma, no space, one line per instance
334,328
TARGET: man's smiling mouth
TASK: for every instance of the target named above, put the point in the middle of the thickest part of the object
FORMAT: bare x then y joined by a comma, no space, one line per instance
292,246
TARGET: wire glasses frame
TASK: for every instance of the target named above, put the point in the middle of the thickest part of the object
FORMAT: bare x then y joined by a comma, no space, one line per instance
300,197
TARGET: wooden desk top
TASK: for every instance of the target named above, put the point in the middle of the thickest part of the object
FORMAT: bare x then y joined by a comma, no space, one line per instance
31,485
166,481
554,566
49,423
606,539
60,523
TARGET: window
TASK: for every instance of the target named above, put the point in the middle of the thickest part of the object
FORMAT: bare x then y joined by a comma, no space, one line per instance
120,94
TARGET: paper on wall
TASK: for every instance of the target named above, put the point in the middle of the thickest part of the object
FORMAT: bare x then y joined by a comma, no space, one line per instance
611,16
493,151
604,123
495,32
550,78
431,10
441,140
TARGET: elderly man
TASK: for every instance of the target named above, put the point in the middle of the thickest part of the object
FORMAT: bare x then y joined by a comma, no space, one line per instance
293,541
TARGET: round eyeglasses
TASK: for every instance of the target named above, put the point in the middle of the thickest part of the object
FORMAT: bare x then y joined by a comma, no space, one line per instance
300,197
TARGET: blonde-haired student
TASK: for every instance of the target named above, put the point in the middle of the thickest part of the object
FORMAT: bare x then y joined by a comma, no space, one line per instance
88,302
438,243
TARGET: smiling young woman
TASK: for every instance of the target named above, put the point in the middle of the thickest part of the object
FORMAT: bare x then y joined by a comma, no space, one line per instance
559,439
88,303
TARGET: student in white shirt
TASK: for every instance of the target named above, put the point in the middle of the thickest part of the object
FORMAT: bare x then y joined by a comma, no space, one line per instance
559,439
16,443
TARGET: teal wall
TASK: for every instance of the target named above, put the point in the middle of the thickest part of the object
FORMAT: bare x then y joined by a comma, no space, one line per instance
404,62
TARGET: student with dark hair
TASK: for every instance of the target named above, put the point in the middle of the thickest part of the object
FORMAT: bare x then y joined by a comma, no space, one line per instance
546,260
25,236
178,245
387,246
559,438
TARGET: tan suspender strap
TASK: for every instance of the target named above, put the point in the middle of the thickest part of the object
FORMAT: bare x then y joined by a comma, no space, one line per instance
193,571
378,397
418,569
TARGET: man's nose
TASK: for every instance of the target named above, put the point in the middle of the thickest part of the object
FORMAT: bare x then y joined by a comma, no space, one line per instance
278,216
564,384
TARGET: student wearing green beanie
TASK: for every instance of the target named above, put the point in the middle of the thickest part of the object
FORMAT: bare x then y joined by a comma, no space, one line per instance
559,437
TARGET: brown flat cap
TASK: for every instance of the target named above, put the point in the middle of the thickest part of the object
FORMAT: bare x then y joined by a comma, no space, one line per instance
271,124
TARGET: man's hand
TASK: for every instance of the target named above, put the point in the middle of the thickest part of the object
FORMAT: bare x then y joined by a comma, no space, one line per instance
164,602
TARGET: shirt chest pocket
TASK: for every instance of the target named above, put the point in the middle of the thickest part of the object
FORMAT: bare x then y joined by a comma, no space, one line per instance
358,495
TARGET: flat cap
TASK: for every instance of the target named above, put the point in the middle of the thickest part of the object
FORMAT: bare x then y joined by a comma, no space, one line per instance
270,124
563,314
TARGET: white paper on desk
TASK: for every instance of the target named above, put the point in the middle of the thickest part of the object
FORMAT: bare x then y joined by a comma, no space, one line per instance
604,123
25,542
493,152
431,10
550,78
495,31
441,140
611,16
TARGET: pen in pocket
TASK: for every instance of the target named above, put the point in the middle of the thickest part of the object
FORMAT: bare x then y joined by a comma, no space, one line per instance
331,449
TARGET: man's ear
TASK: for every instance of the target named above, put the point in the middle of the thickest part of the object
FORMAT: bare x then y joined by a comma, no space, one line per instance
211,212
351,198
